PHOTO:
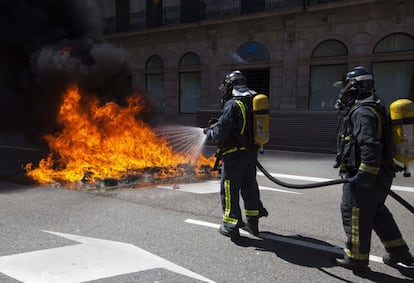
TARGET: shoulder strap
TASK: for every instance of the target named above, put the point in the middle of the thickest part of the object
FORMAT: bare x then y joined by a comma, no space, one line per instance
244,114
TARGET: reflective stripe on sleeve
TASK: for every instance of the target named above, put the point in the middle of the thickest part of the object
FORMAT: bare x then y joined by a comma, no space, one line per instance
368,169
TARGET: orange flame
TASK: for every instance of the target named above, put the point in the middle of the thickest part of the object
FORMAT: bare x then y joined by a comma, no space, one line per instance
102,141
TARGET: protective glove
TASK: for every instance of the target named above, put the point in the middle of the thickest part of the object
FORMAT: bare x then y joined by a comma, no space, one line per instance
211,122
363,180
208,134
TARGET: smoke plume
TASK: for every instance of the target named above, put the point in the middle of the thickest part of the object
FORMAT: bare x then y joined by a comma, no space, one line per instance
46,45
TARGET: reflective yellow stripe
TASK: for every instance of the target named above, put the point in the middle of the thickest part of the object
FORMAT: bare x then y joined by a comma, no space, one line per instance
230,220
357,256
233,149
355,231
368,169
355,244
394,243
243,110
251,212
227,198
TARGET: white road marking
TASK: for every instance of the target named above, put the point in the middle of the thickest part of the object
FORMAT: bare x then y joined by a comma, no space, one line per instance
213,186
210,187
331,249
278,190
296,177
402,189
91,260
314,179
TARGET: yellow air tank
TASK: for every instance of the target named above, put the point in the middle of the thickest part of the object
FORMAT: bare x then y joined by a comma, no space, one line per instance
261,120
402,118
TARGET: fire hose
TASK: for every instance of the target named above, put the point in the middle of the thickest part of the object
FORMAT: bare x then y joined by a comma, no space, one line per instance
326,183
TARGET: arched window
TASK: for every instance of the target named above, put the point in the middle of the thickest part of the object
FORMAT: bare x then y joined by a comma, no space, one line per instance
398,42
251,51
190,83
330,48
394,78
254,52
322,76
154,62
190,59
154,83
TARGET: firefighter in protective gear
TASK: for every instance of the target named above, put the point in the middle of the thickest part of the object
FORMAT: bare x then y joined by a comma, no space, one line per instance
365,158
234,138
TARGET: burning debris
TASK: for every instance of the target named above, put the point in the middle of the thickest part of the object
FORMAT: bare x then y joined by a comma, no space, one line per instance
109,146
145,178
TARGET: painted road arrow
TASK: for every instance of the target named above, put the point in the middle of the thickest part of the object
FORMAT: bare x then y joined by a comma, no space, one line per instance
91,260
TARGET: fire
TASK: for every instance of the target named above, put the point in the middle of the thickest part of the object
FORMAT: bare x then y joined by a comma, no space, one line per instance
101,141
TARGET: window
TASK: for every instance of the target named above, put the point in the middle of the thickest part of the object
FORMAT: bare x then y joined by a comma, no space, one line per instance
251,51
190,59
154,13
190,83
323,95
254,52
154,62
252,6
154,83
258,80
122,15
330,48
322,77
394,79
190,11
398,42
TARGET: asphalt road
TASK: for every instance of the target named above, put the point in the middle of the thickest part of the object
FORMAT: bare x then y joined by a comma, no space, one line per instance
162,234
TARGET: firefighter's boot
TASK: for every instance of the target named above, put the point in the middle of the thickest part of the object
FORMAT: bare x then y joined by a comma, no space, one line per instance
232,233
252,225
263,212
393,259
355,266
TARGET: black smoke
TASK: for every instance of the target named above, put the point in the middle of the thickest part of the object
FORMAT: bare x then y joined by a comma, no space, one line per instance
46,45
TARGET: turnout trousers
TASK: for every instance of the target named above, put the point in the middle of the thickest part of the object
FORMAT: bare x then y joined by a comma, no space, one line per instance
363,210
238,177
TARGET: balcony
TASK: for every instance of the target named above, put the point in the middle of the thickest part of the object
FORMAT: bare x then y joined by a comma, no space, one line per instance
193,11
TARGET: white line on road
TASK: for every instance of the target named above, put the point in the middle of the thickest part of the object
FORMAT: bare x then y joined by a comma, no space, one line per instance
210,187
314,179
331,249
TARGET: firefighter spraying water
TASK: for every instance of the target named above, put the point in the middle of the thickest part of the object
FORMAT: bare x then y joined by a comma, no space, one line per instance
236,146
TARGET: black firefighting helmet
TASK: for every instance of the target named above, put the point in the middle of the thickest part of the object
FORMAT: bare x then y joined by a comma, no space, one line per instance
357,84
231,80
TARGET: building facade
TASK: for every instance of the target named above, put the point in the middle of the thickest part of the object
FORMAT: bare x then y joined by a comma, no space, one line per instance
293,51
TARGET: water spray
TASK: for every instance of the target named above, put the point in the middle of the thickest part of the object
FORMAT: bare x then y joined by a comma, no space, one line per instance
187,140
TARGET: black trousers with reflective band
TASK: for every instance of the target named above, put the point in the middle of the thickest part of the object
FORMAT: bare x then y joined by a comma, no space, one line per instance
363,210
238,177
